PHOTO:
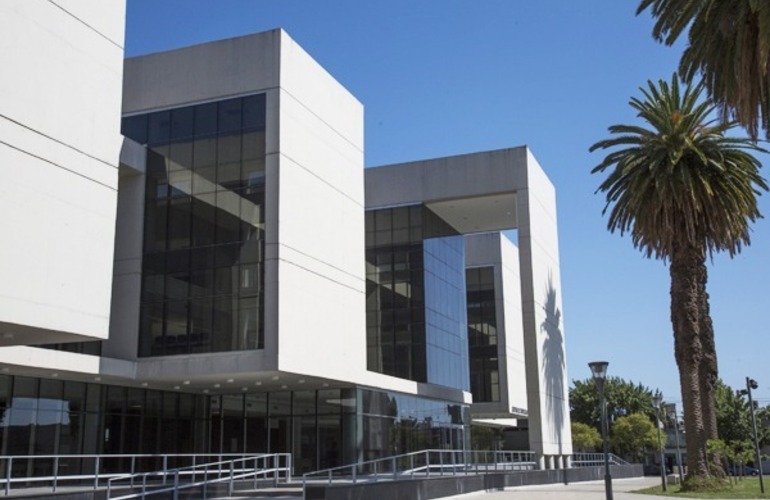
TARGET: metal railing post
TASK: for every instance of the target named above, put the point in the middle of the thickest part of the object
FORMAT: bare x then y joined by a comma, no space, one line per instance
230,483
55,473
355,470
395,472
133,469
175,494
411,465
205,482
441,463
8,476
165,468
276,472
96,472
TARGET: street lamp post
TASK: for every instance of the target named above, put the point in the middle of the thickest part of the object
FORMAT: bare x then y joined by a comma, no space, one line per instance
752,384
599,374
656,401
671,410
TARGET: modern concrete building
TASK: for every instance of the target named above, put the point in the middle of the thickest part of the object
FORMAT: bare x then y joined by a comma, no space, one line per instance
229,277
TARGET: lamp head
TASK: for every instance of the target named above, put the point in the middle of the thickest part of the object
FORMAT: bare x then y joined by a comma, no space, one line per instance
656,400
598,370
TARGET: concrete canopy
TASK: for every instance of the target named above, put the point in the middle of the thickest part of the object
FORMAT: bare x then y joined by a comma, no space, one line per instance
473,193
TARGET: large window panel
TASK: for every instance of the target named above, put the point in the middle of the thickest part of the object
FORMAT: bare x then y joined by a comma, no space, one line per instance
204,165
205,197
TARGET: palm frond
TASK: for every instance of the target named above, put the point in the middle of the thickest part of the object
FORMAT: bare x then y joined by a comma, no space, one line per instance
679,180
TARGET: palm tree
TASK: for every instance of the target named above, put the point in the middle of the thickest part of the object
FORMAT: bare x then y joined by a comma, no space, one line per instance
683,190
729,44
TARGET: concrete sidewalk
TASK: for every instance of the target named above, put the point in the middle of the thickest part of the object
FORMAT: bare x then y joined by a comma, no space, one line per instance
590,490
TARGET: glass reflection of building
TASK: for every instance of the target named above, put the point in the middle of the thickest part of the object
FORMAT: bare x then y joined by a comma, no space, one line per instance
415,297
321,428
202,287
482,335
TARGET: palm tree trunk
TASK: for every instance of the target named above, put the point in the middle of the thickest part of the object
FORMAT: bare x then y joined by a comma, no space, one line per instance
708,369
686,312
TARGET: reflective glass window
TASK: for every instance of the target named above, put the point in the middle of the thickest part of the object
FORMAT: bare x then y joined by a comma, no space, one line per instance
482,334
401,265
204,228
159,127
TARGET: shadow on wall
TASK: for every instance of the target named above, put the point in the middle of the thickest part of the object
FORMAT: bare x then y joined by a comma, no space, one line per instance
553,363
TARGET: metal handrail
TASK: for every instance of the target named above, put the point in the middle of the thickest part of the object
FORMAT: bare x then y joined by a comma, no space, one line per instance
429,462
213,472
99,461
594,459
439,462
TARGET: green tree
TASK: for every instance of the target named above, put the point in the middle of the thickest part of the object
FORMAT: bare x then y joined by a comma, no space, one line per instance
634,435
729,45
622,398
585,438
733,416
683,190
763,426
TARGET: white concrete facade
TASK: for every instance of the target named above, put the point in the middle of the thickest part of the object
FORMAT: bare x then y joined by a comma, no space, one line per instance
59,146
314,255
74,269
314,212
493,191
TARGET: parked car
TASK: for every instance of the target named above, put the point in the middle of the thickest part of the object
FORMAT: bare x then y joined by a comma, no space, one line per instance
742,470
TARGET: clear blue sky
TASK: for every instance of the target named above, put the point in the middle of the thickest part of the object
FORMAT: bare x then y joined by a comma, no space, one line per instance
444,77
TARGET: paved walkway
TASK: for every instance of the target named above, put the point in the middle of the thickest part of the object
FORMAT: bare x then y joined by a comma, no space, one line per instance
589,490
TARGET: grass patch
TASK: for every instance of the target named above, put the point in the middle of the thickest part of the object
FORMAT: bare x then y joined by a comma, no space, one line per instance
746,488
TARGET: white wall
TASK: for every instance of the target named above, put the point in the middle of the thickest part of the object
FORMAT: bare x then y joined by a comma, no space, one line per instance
221,69
320,251
59,146
513,342
544,344
129,240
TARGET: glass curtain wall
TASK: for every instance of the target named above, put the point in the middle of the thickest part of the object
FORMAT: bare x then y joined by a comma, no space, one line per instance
321,428
415,297
482,334
445,312
393,424
202,271
46,416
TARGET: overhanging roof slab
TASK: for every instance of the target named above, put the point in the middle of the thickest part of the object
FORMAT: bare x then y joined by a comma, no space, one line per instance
474,192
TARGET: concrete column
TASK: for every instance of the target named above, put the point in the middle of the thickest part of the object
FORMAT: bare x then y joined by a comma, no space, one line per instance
544,347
